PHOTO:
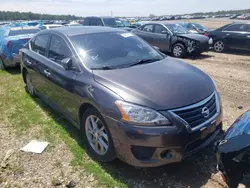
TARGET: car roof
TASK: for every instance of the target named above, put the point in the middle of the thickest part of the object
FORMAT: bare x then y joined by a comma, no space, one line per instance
81,30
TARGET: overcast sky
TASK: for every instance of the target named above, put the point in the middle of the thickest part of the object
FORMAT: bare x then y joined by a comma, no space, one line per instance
121,7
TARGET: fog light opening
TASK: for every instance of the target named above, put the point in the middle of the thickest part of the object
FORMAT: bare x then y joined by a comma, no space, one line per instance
167,154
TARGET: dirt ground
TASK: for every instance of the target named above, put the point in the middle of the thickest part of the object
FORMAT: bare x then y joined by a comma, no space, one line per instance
231,73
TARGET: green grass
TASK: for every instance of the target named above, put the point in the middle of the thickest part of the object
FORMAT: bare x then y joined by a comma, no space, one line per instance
22,113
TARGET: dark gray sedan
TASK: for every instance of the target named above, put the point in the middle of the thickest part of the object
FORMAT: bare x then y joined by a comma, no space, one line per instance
128,100
173,38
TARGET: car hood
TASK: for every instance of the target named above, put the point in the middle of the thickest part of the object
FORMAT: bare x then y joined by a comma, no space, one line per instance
196,37
166,84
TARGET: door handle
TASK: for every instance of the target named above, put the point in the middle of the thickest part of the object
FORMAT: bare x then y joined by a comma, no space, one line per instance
46,72
228,34
28,62
248,36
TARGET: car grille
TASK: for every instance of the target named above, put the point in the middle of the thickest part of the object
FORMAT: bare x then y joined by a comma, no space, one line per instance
194,116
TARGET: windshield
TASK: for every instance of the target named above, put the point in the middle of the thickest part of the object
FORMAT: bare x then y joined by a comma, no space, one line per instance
23,32
113,22
113,49
177,29
200,27
126,23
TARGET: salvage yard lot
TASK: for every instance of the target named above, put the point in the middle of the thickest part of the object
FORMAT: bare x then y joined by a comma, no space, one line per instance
23,119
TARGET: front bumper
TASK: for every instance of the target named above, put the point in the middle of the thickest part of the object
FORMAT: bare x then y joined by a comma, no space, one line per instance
156,146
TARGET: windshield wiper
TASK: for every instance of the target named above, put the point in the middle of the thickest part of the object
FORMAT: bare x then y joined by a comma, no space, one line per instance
143,61
102,68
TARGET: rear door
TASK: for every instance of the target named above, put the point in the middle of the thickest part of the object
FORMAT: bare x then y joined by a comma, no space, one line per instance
146,33
235,36
34,58
247,30
60,82
161,37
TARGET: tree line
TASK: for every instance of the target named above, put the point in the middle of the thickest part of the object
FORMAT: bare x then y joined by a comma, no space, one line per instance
9,16
223,12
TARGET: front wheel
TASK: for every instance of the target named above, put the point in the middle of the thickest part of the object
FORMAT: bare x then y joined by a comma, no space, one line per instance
219,46
179,50
96,136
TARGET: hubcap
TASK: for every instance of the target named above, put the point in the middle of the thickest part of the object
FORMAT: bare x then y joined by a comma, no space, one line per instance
97,135
177,51
29,85
219,46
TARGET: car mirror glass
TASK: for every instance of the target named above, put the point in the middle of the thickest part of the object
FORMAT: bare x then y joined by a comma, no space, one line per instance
66,63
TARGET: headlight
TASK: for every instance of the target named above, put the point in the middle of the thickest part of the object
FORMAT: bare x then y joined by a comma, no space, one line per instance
140,115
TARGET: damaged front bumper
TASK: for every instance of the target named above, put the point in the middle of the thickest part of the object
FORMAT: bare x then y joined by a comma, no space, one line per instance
233,151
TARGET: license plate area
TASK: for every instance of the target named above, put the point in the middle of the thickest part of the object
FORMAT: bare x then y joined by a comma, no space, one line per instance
205,131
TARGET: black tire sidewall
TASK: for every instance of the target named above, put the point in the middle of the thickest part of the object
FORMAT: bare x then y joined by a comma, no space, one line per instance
1,62
184,50
110,154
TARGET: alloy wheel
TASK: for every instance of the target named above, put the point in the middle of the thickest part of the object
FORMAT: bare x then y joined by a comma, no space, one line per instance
219,46
97,135
177,51
29,85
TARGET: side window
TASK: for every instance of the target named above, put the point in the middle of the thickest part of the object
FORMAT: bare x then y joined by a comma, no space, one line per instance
32,43
58,49
159,29
86,21
235,27
148,28
99,22
93,22
40,44
247,28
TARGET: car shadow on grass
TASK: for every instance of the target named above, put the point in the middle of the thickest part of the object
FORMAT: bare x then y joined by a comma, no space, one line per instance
13,70
194,171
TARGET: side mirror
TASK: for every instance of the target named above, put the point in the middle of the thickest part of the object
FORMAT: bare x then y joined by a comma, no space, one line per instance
66,63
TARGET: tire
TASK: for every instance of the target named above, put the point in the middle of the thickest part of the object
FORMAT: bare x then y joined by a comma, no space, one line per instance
2,66
179,50
219,46
29,87
96,149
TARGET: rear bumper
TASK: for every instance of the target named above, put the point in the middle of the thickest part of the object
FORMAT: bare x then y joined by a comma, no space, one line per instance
13,62
156,146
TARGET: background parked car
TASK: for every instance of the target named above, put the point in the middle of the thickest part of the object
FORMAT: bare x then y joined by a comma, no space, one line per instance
11,41
49,26
173,38
235,35
104,81
105,21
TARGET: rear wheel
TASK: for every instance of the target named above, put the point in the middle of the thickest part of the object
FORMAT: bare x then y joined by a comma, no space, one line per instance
96,136
29,86
2,66
219,46
179,50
